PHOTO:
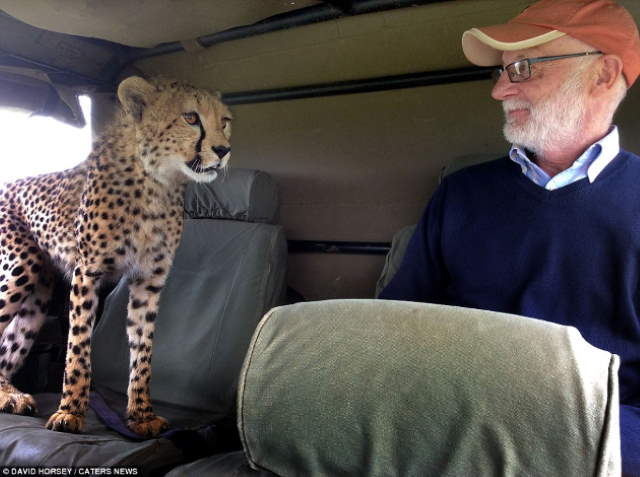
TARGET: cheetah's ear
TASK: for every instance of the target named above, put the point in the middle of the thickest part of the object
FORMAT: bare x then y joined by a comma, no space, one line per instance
135,94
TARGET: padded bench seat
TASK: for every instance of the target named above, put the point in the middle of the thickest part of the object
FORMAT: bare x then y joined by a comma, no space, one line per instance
390,388
228,272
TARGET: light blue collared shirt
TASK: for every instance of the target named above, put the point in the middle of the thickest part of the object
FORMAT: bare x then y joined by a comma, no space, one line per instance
591,163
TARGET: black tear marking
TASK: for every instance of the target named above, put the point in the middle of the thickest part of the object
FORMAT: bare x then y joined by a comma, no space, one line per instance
203,134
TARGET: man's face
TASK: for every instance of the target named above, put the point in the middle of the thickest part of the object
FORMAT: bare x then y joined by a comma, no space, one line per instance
546,111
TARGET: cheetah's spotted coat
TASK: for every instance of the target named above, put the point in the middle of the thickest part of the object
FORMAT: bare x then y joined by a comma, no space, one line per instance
118,212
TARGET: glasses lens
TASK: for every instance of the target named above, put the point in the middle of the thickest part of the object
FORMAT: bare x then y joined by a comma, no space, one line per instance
496,73
518,71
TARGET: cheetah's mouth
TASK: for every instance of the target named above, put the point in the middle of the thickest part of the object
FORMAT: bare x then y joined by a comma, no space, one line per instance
196,166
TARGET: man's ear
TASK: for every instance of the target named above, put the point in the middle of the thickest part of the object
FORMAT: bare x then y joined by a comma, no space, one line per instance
135,94
609,71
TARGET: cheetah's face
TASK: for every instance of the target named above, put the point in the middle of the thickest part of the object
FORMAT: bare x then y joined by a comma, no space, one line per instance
202,134
182,132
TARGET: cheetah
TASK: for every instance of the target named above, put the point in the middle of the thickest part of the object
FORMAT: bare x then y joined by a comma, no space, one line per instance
119,212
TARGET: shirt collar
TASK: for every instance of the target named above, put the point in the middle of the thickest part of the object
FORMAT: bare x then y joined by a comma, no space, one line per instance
609,149
597,156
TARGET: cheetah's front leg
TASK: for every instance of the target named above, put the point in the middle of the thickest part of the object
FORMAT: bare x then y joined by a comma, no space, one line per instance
144,295
77,373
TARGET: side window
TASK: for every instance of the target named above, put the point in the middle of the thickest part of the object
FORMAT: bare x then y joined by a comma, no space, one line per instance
33,145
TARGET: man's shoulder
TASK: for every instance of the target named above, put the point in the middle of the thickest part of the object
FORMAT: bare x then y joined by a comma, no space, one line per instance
625,166
635,158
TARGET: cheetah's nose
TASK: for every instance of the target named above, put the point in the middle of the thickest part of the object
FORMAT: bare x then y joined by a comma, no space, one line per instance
221,151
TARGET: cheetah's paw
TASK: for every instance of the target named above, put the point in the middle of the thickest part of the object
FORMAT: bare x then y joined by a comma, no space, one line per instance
65,422
150,426
15,402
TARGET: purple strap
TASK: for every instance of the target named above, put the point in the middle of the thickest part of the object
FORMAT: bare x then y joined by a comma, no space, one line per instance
113,421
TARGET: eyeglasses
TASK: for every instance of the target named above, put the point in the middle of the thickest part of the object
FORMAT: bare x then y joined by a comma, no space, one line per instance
520,70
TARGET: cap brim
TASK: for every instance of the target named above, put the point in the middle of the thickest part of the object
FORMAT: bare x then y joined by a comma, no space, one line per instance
484,46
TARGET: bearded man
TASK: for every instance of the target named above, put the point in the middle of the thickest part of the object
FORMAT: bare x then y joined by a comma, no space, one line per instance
553,230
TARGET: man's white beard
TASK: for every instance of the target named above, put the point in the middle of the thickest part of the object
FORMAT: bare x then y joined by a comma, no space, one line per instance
553,122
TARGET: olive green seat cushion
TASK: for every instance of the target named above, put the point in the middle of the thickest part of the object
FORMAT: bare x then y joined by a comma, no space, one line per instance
386,388
228,272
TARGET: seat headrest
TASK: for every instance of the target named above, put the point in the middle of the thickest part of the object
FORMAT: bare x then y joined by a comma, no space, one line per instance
239,194
375,387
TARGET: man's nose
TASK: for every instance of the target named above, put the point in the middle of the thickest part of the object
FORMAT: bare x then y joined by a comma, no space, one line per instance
503,88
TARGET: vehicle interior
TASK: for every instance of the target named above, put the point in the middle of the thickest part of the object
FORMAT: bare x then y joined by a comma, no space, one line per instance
346,114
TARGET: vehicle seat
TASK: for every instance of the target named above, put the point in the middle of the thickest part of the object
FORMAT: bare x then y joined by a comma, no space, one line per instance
394,257
228,271
401,238
375,387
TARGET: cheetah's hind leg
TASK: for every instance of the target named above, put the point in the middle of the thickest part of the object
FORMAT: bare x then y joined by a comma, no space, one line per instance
24,297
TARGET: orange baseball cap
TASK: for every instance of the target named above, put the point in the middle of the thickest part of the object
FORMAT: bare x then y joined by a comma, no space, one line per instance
603,24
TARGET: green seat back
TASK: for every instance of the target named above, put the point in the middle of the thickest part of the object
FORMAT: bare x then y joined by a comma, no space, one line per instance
385,388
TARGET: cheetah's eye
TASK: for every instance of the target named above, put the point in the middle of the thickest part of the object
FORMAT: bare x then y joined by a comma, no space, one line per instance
191,118
225,122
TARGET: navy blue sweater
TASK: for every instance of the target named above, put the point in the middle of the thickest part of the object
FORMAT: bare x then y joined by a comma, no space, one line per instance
492,239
